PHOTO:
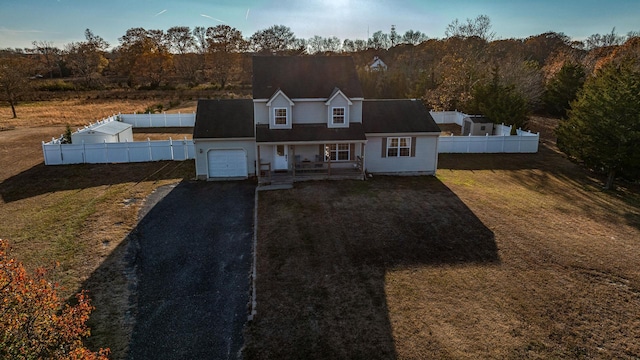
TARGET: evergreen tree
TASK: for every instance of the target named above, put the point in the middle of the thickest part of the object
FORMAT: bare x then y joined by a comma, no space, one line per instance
603,128
501,104
563,88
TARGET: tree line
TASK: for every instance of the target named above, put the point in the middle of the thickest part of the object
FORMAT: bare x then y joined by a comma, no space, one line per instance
468,70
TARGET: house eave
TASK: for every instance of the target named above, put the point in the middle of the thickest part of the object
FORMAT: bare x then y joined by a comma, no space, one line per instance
225,139
400,133
315,142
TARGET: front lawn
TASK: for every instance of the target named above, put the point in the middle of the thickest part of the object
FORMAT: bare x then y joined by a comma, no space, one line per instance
499,256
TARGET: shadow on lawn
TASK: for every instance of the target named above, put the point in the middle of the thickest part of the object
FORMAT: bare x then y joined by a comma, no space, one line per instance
324,250
542,171
42,179
496,161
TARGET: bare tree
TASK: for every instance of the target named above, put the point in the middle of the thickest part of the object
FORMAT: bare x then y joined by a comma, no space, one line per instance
86,59
597,40
14,78
49,56
379,41
413,37
276,39
480,27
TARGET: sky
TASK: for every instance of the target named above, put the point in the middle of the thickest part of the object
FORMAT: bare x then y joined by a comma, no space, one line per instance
64,21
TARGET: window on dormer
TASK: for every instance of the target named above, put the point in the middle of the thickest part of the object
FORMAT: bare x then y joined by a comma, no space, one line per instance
338,115
280,116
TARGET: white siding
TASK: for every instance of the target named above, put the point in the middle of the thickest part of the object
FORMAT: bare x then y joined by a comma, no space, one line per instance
356,111
261,113
310,112
425,161
306,112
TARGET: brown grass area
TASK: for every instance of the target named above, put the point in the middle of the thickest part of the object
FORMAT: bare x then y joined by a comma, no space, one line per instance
450,129
80,112
78,215
500,256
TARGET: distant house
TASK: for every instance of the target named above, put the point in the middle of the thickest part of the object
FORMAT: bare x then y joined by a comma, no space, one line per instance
477,126
377,65
308,117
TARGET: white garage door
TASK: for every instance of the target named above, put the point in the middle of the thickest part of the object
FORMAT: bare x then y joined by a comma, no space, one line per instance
227,163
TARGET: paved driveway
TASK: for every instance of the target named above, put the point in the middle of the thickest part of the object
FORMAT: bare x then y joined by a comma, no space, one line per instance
193,260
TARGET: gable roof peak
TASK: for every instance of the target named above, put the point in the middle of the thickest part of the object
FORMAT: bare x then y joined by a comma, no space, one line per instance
336,91
275,95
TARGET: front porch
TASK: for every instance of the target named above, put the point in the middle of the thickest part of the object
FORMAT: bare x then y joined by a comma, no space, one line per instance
282,177
286,164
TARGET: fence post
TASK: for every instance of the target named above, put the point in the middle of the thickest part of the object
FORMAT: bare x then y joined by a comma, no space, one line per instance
520,142
486,143
165,118
171,148
149,145
179,119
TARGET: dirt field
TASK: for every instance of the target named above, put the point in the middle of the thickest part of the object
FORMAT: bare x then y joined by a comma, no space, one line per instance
500,256
80,112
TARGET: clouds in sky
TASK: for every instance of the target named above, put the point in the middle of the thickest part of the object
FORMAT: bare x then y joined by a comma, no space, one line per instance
64,21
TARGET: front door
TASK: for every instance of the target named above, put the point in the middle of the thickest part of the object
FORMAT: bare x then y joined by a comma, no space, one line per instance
280,158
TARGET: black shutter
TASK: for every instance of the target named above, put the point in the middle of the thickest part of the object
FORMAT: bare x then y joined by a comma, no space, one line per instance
413,146
384,147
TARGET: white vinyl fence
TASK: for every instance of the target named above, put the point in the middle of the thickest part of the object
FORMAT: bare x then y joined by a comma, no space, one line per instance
57,153
158,120
500,142
448,117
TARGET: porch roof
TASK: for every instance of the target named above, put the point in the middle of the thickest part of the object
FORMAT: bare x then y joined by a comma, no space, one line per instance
310,133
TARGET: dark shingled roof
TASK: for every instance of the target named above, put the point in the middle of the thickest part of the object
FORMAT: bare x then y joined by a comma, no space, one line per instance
312,77
310,132
397,116
224,119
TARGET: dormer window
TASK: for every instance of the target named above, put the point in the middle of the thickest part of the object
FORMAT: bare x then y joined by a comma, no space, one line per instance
280,116
338,108
338,115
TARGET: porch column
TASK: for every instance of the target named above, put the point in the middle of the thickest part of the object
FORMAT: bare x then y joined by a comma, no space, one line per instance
362,157
259,162
293,152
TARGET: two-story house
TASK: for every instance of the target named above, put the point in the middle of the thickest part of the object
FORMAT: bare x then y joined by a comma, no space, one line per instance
308,118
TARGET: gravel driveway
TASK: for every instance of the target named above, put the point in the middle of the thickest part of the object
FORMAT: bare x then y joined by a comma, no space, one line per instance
193,260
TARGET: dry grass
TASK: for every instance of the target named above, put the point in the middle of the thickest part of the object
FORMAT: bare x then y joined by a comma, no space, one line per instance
78,215
80,112
500,256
